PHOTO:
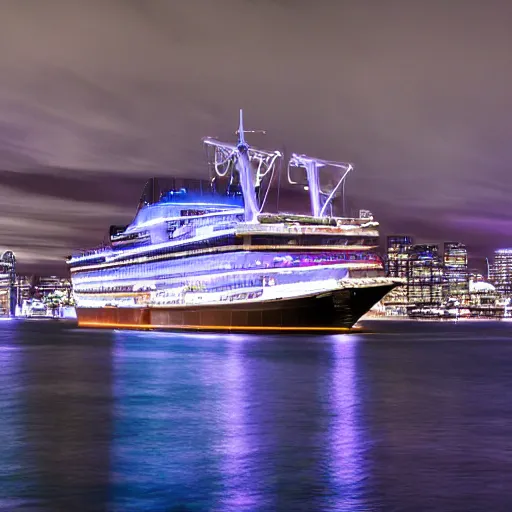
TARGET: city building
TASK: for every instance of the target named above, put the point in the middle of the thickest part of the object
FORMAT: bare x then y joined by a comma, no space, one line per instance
425,276
476,277
397,255
501,271
442,285
44,296
7,284
30,295
24,288
456,276
484,299
45,285
397,266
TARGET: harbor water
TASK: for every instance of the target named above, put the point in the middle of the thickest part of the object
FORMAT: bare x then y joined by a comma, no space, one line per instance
399,416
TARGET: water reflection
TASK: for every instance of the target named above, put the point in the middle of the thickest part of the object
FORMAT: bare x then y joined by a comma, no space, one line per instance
166,422
148,421
65,409
294,434
235,423
14,487
347,469
239,493
102,421
291,425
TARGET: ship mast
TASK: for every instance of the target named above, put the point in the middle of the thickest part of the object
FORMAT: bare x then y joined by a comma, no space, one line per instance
247,180
313,167
254,164
244,157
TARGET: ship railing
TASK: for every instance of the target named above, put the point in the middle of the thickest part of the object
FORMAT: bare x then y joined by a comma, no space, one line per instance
355,282
288,218
301,230
89,252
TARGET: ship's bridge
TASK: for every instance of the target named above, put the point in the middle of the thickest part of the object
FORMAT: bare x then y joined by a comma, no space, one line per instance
177,198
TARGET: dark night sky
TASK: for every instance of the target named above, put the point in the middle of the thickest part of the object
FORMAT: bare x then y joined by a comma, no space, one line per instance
96,96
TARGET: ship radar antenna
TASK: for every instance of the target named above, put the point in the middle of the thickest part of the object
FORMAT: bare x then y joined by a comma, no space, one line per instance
241,133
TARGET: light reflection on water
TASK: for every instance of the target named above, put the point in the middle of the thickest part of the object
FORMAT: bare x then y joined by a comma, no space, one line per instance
417,417
347,466
239,493
232,408
11,431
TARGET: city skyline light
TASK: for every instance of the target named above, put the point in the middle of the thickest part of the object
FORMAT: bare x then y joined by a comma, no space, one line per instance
119,92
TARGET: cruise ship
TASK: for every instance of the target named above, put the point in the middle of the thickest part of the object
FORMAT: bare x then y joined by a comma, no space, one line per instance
210,255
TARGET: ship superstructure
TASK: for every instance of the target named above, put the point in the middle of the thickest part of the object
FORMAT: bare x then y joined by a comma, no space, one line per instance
204,254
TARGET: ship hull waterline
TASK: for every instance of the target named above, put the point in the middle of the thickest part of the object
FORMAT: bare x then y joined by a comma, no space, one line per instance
334,311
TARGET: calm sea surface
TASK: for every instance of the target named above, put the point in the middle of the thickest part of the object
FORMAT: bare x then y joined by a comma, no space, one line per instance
405,417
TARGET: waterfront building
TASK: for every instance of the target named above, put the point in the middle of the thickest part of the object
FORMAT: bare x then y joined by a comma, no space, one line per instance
483,298
50,294
397,255
501,271
43,296
476,277
424,276
442,285
45,285
456,277
7,283
39,287
397,266
24,288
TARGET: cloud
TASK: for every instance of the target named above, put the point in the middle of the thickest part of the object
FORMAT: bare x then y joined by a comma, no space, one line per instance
40,228
416,94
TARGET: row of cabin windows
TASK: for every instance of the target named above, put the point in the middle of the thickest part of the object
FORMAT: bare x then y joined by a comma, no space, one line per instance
305,240
217,286
204,221
221,241
224,283
189,267
220,283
